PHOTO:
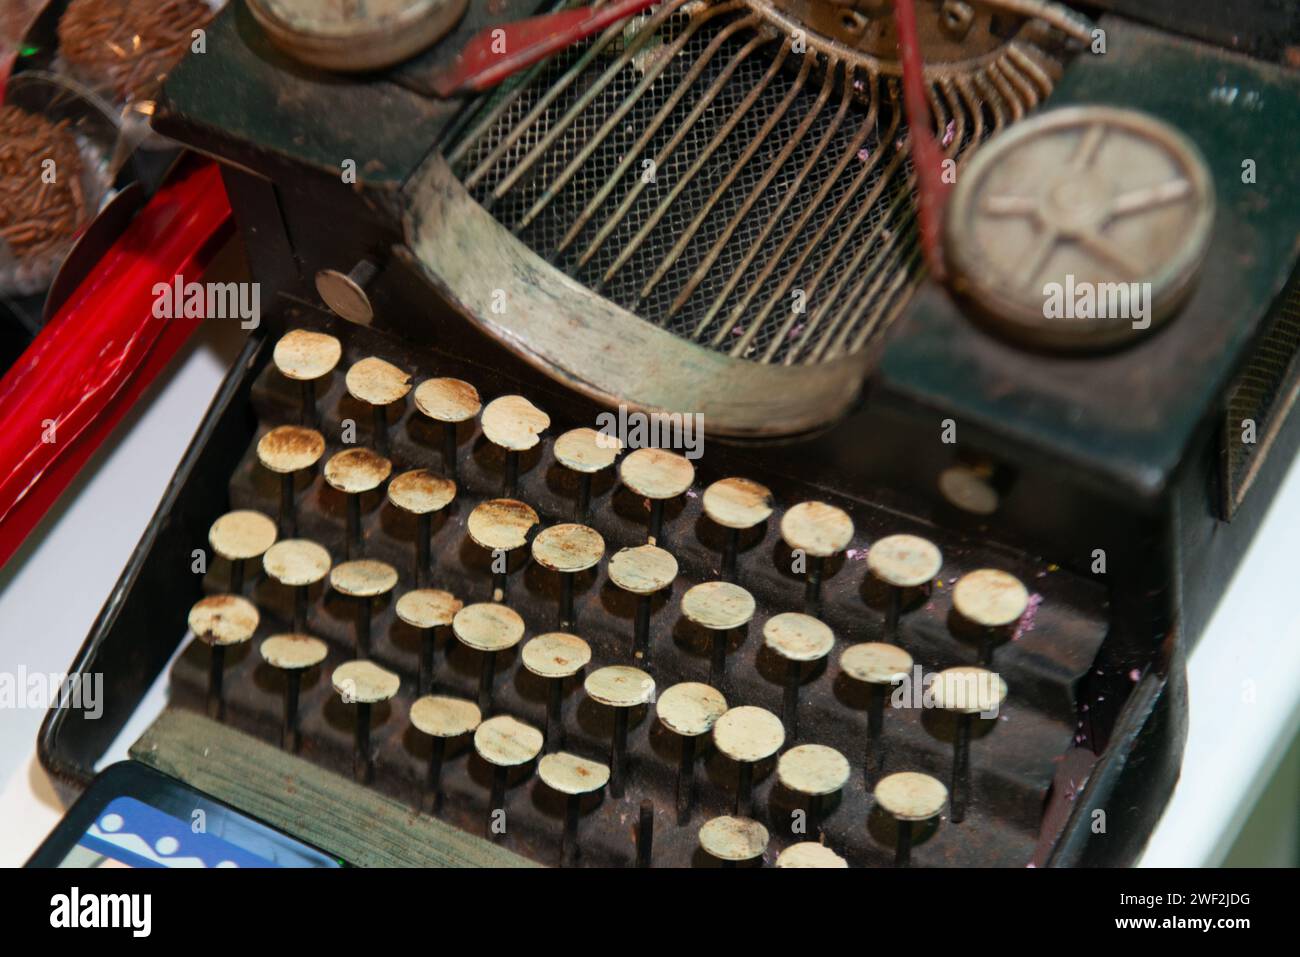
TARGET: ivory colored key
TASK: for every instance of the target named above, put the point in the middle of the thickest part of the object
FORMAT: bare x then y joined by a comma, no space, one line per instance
966,691
878,666
298,564
554,657
689,709
421,493
797,638
586,452
747,735
220,621
909,797
306,357
355,472
568,550
733,840
642,571
721,608
901,563
501,525
816,772
451,402
293,654
504,742
364,684
737,504
442,718
818,530
363,580
514,424
621,688
993,602
239,536
487,627
657,475
287,450
427,610
573,777
810,854
379,384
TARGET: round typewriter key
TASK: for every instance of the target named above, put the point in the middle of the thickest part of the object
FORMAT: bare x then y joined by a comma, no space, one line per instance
292,654
304,357
733,840
878,666
364,580
421,493
747,735
689,710
621,688
992,601
909,797
586,452
378,384
451,402
501,525
642,571
504,742
810,854
645,835
364,684
721,608
573,777
814,771
219,621
554,657
442,718
514,424
902,562
818,530
239,536
355,472
968,489
345,293
657,475
737,504
298,564
797,638
568,550
285,450
488,627
966,691
427,609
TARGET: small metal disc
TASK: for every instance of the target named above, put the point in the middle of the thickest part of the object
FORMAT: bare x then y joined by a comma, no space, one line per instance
293,652
428,608
501,523
813,769
296,562
798,637
377,382
570,774
555,655
568,548
288,448
620,686
488,626
990,598
690,708
442,717
514,423
447,400
363,578
876,663
810,854
911,796
420,492
303,355
748,733
223,619
968,690
819,529
364,682
241,534
642,570
904,561
733,838
656,473
737,503
586,450
718,606
507,742
357,470
966,489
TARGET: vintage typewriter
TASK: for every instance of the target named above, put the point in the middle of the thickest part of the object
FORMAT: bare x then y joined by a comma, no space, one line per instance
923,593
